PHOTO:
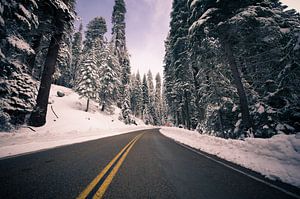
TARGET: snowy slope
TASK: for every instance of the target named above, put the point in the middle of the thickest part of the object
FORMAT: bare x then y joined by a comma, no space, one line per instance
277,158
74,125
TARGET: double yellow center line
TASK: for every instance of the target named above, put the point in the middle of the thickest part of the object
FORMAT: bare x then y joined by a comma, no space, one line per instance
99,185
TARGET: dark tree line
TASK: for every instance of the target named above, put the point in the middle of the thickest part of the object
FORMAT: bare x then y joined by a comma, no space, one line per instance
231,67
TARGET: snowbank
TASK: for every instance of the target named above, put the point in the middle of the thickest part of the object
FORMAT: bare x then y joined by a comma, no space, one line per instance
73,125
277,158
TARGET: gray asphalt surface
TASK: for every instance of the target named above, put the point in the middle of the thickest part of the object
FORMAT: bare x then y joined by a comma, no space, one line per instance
156,167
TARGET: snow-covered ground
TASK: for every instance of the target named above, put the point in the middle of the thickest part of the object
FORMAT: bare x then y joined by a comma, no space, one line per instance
73,125
275,158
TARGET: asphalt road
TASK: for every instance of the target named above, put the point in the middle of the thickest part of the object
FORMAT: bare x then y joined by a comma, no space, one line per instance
154,167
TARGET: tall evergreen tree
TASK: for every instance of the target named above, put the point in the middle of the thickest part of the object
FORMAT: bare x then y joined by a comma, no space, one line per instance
88,81
150,86
108,80
145,97
125,115
139,95
158,98
94,35
62,75
151,104
178,71
76,54
133,94
119,43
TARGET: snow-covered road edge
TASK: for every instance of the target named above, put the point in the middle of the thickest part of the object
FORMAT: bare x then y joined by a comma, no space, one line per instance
35,146
277,158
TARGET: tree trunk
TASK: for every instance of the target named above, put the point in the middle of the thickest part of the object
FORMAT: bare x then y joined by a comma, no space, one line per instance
177,118
87,105
239,85
38,116
187,111
221,121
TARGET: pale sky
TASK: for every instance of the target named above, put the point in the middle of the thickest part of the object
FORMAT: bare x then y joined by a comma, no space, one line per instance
147,28
292,4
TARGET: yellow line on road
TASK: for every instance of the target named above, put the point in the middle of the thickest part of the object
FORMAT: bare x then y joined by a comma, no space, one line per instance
99,194
90,187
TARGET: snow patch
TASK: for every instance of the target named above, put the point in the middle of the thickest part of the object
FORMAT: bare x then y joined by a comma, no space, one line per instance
297,46
202,19
20,44
2,23
234,108
2,56
260,108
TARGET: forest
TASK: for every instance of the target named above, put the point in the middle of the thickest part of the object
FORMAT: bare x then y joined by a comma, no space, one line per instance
231,68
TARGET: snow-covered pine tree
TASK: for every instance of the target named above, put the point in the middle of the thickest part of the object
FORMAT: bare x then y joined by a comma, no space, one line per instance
150,86
94,35
108,81
145,91
133,94
62,75
139,95
164,108
113,62
119,44
169,79
126,114
158,98
76,54
87,84
178,71
151,105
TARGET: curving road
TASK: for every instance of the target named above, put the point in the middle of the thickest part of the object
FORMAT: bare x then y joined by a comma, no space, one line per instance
142,164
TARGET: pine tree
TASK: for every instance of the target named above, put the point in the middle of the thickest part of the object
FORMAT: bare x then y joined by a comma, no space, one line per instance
150,86
133,94
139,95
151,105
125,115
108,80
76,54
119,44
94,35
145,97
178,71
62,75
113,62
158,98
88,79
